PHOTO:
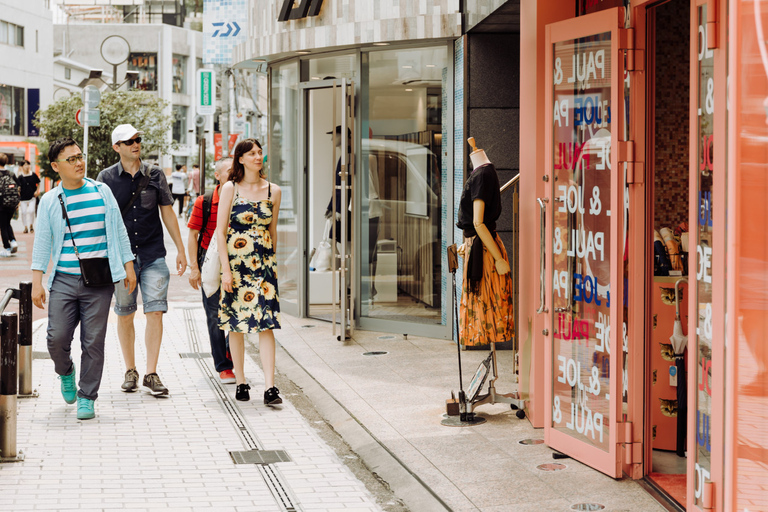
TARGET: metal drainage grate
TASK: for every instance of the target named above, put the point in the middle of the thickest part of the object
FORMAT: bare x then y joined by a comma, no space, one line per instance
260,457
386,337
307,326
375,353
587,506
529,442
552,466
192,355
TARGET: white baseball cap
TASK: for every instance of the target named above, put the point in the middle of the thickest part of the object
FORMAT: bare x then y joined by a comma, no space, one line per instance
124,132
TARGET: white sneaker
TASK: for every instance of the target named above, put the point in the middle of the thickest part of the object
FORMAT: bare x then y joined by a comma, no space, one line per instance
5,253
14,246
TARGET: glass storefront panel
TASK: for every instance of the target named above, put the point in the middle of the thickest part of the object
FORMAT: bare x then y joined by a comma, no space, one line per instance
704,256
284,169
582,245
11,110
179,74
146,65
402,224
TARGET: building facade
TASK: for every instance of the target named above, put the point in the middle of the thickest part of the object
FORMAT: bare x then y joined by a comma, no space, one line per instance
638,130
26,68
165,57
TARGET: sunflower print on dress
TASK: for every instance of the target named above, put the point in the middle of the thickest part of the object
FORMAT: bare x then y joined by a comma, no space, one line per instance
253,306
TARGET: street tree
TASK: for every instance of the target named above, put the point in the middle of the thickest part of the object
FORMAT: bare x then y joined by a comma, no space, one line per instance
144,110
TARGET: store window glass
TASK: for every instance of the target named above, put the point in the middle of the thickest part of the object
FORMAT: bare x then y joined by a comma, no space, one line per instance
179,74
11,110
402,225
284,169
146,65
704,257
180,124
330,68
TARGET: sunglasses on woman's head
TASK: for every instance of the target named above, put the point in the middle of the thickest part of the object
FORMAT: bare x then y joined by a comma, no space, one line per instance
130,142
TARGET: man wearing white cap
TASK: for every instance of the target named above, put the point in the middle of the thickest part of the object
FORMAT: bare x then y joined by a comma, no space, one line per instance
144,198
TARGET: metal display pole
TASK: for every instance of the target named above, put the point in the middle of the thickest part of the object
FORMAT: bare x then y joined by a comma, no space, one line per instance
25,340
8,386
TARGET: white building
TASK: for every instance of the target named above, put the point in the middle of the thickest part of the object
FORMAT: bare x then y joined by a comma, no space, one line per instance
154,41
26,71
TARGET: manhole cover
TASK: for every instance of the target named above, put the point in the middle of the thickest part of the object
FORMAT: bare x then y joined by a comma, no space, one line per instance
587,506
375,353
552,466
531,441
387,337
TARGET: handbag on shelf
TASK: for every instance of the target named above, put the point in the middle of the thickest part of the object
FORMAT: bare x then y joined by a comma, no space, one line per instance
95,271
210,273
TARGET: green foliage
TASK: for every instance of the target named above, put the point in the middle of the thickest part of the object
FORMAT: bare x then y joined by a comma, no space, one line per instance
144,110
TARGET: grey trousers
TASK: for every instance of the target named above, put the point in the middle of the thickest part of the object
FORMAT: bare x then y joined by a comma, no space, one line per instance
71,303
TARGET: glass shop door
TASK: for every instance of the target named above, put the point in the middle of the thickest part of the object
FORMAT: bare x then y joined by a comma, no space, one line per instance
582,249
328,183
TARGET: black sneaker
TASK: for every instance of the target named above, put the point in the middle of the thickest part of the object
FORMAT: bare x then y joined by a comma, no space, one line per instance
154,385
131,383
242,393
271,396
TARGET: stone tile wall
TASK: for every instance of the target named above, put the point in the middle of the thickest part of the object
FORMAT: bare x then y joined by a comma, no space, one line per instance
347,23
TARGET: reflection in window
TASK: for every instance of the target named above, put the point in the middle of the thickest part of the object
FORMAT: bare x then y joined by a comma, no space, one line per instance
179,74
11,110
180,124
146,65
402,119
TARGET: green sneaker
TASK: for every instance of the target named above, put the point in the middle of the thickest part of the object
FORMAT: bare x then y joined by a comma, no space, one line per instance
68,386
85,409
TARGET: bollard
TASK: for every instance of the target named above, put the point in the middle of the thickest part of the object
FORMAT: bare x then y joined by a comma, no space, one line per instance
25,338
8,385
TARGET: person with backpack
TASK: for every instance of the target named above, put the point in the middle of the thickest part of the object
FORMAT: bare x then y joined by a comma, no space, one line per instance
202,226
10,197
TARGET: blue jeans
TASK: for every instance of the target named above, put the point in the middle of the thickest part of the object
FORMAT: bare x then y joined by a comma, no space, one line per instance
71,303
153,279
219,340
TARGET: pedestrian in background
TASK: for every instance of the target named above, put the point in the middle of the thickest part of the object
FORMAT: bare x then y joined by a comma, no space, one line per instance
179,186
29,183
93,228
10,197
144,199
246,244
202,227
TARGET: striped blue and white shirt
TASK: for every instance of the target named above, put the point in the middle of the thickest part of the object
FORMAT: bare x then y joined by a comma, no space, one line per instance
86,210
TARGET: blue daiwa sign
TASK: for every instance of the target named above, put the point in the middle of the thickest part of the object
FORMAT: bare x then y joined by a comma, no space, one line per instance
223,29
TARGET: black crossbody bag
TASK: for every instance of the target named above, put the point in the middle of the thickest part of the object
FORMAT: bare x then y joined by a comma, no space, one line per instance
95,271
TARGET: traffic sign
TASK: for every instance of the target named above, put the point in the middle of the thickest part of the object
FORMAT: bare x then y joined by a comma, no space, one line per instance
206,92
91,117
78,119
91,96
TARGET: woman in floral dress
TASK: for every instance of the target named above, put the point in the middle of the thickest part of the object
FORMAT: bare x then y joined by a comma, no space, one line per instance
246,243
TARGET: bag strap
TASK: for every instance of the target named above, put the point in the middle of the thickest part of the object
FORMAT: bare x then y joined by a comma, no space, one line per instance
142,186
207,205
66,218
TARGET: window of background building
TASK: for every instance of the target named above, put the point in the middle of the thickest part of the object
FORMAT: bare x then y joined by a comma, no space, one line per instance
67,74
11,110
146,65
179,74
11,34
180,124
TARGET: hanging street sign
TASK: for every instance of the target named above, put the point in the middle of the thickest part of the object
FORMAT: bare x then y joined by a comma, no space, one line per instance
91,96
206,92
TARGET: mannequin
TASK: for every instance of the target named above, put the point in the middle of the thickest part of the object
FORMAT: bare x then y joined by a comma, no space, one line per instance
486,302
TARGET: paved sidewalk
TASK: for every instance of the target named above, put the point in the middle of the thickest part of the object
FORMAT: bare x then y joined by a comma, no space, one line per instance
146,453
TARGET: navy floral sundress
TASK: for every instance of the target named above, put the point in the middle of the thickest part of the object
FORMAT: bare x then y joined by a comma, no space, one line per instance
253,305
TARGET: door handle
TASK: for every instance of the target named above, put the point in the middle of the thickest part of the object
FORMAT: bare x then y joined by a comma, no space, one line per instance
542,221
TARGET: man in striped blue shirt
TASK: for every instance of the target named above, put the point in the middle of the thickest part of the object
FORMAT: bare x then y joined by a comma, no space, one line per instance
95,230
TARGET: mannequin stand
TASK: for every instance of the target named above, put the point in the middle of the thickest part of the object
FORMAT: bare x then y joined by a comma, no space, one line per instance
492,397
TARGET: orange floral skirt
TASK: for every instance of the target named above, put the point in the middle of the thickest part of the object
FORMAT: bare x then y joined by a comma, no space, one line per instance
487,316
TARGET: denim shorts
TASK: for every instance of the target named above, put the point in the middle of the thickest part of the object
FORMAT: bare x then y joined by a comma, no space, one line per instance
153,280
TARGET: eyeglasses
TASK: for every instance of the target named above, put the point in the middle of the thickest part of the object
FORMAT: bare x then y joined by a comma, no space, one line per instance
130,142
73,159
